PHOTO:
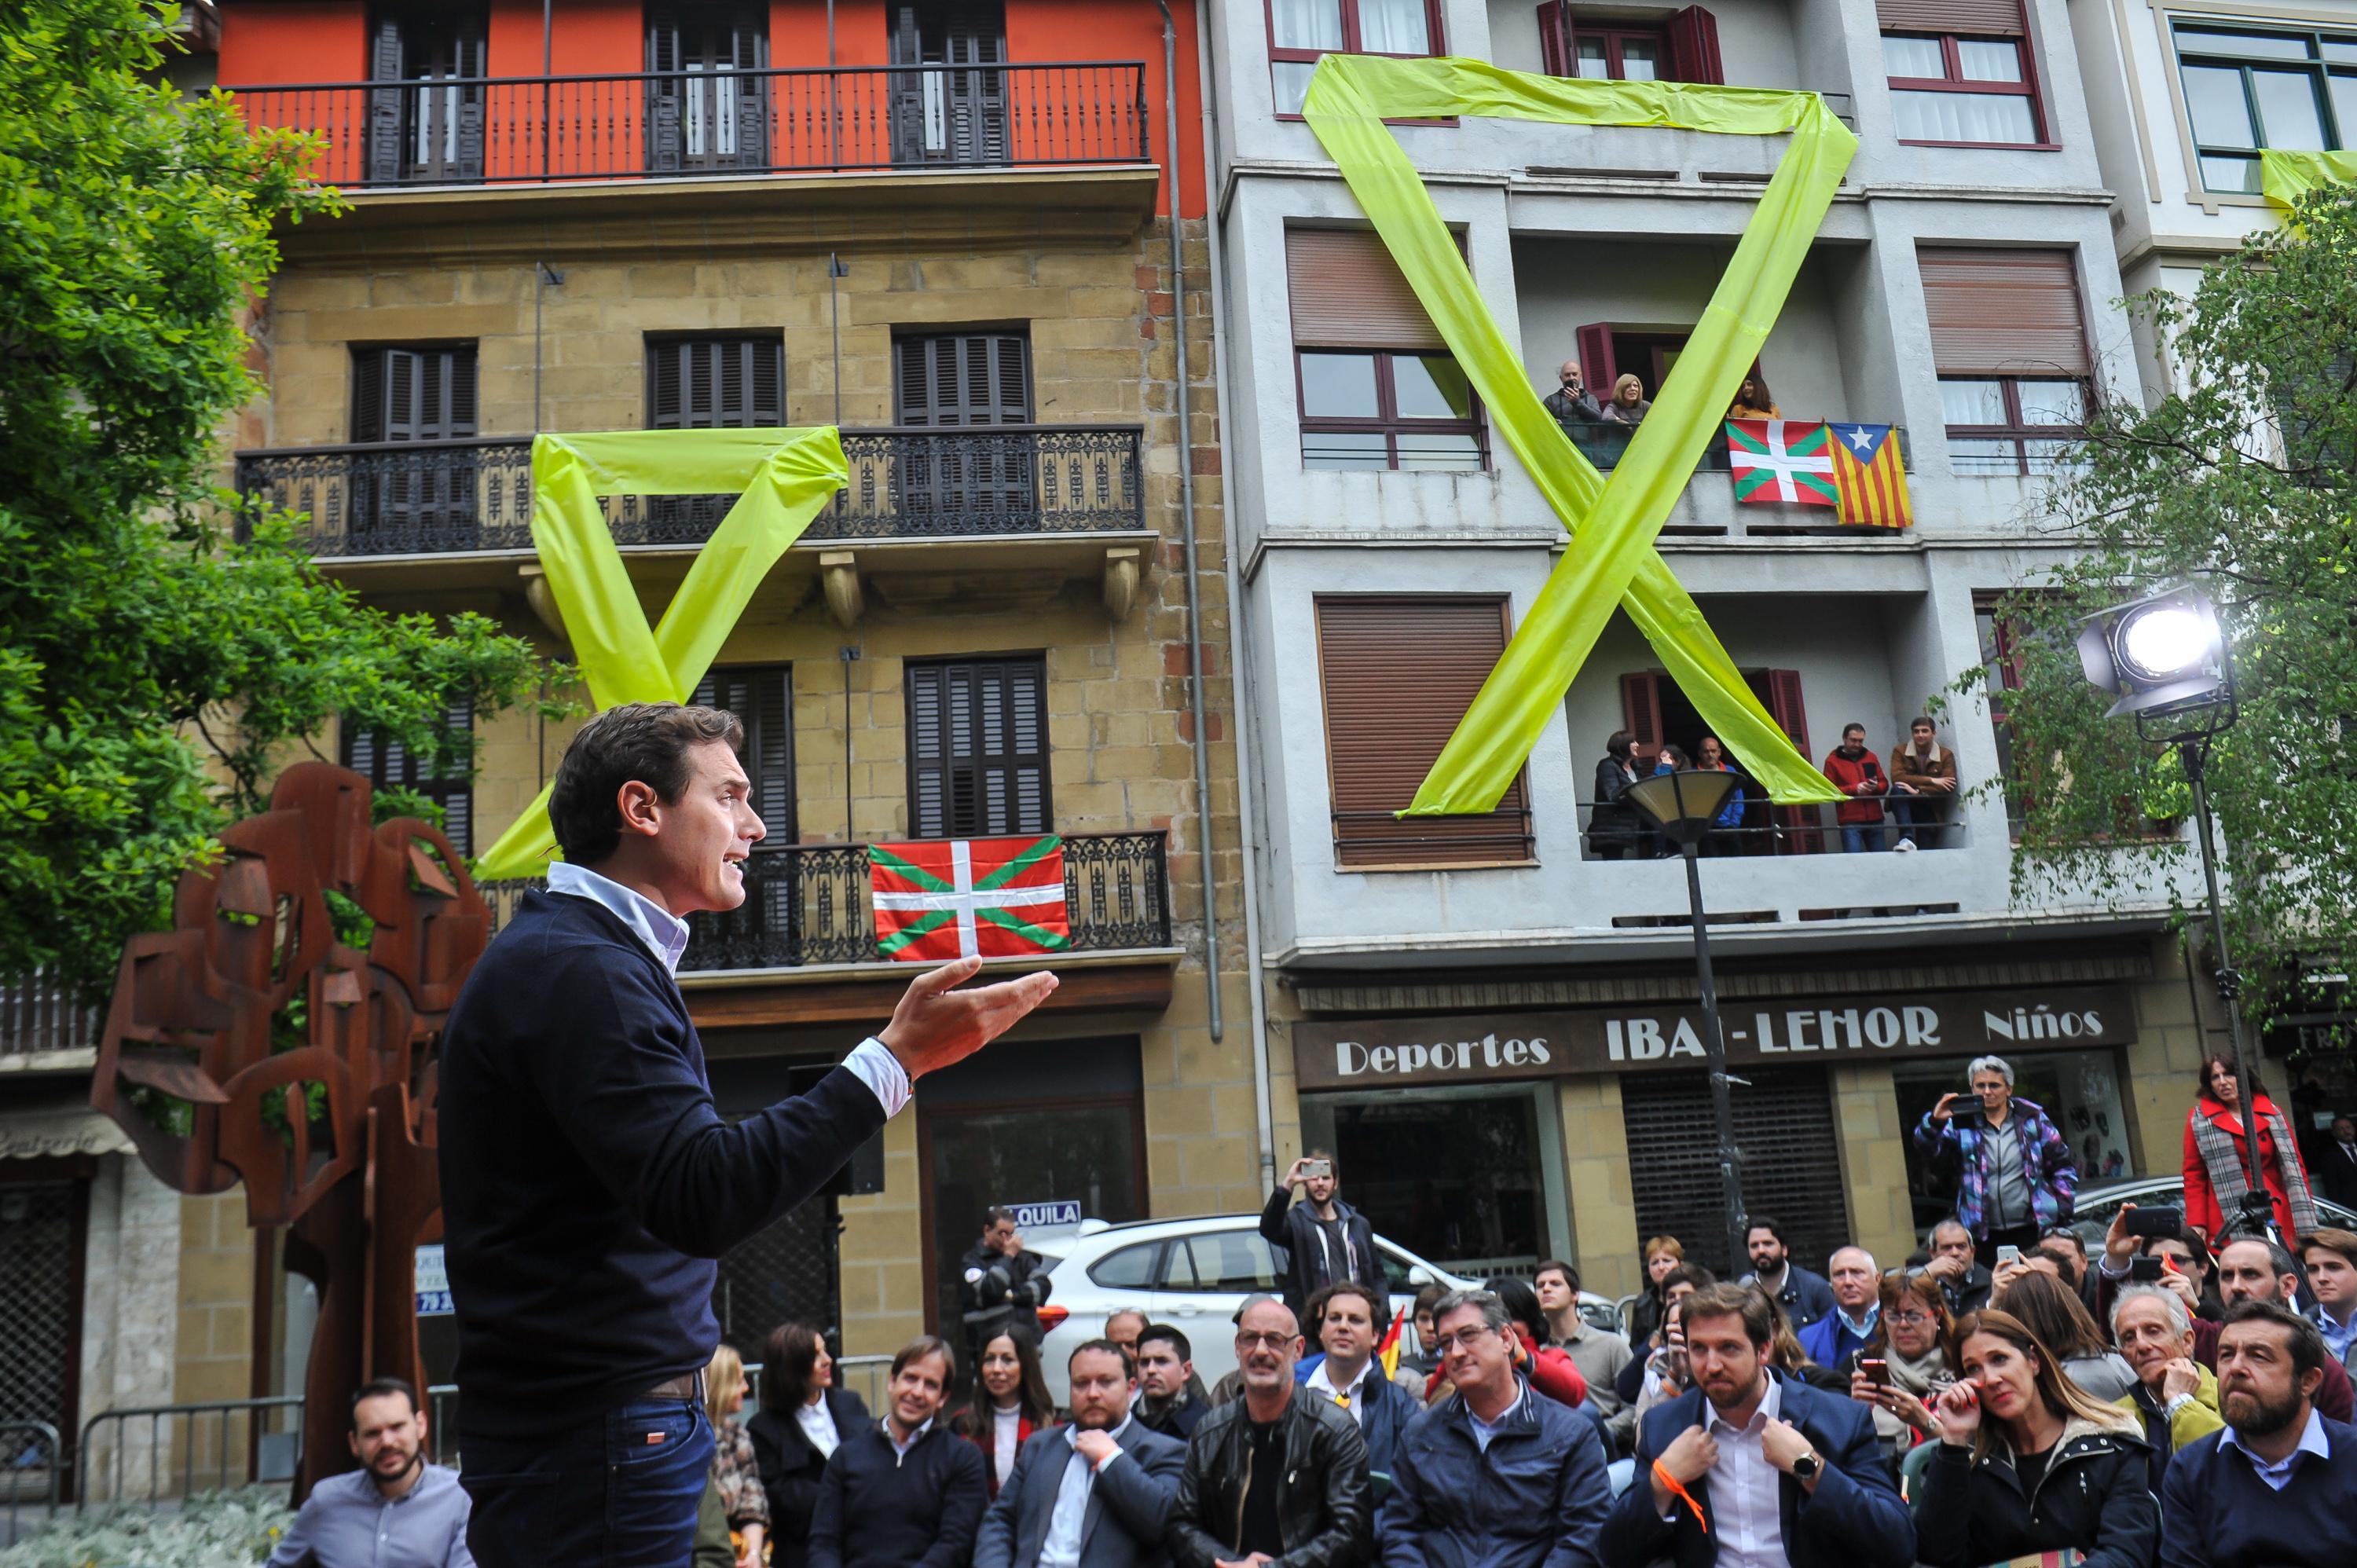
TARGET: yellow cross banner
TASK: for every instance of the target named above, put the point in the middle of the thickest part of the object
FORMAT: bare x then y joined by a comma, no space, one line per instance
1614,521
786,476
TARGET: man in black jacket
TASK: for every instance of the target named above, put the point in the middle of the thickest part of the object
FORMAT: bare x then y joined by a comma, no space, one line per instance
588,1181
1963,1281
1272,1478
1000,1287
1171,1399
905,1492
1325,1238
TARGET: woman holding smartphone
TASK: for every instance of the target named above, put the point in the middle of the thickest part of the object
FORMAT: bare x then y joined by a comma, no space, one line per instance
1907,1366
2028,1463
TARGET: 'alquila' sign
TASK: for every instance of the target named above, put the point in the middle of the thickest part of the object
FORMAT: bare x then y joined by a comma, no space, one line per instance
1371,1052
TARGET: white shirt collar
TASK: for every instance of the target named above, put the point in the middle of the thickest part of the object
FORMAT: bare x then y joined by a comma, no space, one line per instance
1772,1404
897,1445
664,933
1318,1379
2311,1441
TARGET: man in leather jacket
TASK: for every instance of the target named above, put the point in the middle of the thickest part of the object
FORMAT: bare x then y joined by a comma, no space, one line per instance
1273,1477
1001,1287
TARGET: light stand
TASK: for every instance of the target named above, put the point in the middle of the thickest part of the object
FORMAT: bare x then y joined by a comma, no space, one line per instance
1684,806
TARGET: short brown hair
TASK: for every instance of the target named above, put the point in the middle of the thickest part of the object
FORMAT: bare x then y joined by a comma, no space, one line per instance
1732,1301
1556,1265
645,743
2331,1240
1315,1307
922,1347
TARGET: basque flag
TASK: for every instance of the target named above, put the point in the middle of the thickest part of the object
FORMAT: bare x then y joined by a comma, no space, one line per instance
948,898
1871,477
1779,460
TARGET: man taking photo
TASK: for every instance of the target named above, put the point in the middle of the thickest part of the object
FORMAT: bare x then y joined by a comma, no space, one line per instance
1093,1494
1325,1239
588,1181
1749,1463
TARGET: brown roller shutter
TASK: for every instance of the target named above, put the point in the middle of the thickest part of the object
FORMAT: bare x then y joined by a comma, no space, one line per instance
1784,1135
1398,673
2003,17
1348,292
2004,312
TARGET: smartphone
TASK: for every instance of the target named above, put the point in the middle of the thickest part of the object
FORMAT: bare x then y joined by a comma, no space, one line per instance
2008,1253
1877,1370
1318,1168
2146,1269
2155,1221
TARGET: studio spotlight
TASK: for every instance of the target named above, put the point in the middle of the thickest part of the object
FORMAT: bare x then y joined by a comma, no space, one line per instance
2161,654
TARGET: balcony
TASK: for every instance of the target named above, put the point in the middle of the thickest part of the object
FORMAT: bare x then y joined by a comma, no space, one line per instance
1699,516
679,125
470,498
43,1029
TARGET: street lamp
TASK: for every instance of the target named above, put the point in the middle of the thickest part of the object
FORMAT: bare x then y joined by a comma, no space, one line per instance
2164,657
1683,806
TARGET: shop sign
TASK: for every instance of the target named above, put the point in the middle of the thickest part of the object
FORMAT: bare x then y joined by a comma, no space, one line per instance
1375,1052
1061,1214
433,1282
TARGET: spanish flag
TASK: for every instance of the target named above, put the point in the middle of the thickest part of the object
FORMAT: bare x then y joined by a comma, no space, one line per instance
1388,1352
1869,479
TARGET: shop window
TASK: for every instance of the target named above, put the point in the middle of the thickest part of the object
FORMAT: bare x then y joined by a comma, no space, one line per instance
1378,387
387,764
1784,1125
2247,89
1302,32
977,748
1456,1175
1682,49
1962,74
2010,345
1396,674
2078,1090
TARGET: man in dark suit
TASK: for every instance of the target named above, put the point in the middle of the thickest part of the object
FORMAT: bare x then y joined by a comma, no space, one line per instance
587,1180
1748,1461
2334,1164
1095,1493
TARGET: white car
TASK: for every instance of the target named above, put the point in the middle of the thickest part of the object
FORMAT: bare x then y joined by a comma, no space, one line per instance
1193,1274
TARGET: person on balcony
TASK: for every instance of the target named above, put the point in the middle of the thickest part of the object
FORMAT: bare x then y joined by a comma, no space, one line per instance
1611,821
1711,757
1573,406
1923,772
1630,404
1753,400
1855,772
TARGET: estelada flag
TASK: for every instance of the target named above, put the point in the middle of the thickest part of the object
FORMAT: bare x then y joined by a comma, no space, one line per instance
1779,460
948,898
1870,476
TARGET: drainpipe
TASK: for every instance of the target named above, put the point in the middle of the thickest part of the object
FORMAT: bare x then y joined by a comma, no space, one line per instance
1237,669
1187,529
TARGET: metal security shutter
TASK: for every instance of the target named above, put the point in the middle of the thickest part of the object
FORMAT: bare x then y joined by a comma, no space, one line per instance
978,748
2012,313
1398,674
1348,292
385,763
1791,1160
2000,17
42,1238
762,698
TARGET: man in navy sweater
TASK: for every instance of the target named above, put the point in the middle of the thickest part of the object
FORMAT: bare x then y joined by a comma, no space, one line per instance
2278,1487
588,1181
904,1492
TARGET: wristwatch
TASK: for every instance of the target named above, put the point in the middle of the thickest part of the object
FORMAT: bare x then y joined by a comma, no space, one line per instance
1806,1466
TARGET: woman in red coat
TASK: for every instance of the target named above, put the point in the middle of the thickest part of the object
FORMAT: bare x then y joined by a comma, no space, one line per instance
2218,1161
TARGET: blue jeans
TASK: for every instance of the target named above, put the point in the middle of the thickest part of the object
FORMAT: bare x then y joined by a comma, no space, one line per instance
619,1490
1861,838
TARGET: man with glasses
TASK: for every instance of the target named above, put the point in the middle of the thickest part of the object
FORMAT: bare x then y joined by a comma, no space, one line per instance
1494,1475
1273,1475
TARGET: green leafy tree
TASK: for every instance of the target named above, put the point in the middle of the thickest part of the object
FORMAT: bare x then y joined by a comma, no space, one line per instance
2245,477
154,671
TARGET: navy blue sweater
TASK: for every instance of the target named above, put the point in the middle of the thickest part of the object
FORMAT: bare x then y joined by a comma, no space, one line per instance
880,1508
2216,1512
588,1182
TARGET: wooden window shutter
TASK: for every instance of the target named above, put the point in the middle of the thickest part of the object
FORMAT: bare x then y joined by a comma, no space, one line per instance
1397,675
368,395
1994,16
1555,40
716,383
762,698
1597,363
401,411
978,748
1348,292
1641,711
1802,829
963,379
1693,47
2004,312
385,763
414,394
384,104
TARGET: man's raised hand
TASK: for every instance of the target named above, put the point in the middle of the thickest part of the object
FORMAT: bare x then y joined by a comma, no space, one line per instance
936,1025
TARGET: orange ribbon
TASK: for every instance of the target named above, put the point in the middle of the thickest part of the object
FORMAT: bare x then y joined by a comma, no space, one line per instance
1677,1489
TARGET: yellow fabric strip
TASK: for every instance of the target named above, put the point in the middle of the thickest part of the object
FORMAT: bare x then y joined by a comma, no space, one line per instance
786,477
1614,521
2284,177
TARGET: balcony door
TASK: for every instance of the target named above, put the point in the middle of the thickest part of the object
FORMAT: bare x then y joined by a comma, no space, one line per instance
978,748
705,383
707,102
763,930
979,483
425,499
957,113
1657,714
429,132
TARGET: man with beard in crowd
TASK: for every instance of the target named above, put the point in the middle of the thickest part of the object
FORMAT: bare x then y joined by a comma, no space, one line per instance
1804,1296
1093,1494
1171,1399
397,1510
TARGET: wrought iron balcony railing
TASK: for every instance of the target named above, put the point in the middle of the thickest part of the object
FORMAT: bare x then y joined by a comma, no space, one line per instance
686,124
425,497
808,904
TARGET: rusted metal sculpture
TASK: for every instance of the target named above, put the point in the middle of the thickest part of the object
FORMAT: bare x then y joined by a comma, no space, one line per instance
199,1064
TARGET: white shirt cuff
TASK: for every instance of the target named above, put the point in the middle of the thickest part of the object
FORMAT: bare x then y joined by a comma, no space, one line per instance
1108,1464
872,1064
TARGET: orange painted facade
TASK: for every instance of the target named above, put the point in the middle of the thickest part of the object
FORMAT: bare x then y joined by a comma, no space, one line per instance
594,130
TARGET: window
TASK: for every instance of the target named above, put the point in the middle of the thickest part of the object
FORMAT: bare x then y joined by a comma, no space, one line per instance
762,698
1231,1261
1132,1268
1961,72
707,384
1682,49
707,102
426,135
386,764
2011,350
1655,712
1300,31
978,748
44,1237
2293,91
422,500
960,379
1378,387
413,393
950,116
1397,673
